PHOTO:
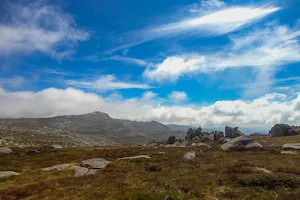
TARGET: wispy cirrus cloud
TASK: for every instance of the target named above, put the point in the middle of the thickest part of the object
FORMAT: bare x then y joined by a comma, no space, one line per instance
38,27
263,49
106,83
15,81
129,60
218,22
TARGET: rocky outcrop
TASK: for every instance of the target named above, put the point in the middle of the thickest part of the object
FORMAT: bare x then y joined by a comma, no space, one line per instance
279,130
95,163
171,140
198,132
190,156
232,132
5,150
292,146
192,133
241,143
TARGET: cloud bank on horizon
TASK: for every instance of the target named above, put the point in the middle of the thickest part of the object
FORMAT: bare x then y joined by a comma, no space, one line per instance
209,63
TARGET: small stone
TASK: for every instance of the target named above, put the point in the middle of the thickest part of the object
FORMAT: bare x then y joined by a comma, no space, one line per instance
292,146
5,150
95,163
261,169
8,174
135,157
201,144
190,156
79,171
288,152
91,172
60,167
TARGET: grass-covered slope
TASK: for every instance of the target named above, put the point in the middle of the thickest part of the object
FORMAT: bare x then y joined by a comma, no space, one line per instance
213,175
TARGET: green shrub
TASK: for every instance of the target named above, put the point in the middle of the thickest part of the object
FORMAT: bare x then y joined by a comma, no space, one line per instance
153,168
269,181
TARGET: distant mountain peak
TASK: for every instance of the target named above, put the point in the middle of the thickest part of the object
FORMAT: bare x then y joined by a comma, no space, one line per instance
98,113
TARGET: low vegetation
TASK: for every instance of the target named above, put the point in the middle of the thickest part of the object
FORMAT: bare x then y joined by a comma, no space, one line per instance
214,174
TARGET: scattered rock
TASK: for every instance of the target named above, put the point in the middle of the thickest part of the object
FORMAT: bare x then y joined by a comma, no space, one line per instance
56,146
190,156
201,144
224,140
190,134
171,140
292,146
232,132
288,152
5,150
218,135
60,167
53,146
34,151
162,153
91,172
279,130
241,143
8,174
95,163
261,169
198,132
79,171
135,157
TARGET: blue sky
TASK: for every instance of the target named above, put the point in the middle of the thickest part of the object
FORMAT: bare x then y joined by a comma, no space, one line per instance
209,63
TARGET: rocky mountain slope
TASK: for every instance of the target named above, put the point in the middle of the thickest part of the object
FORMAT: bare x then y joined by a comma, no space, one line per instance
88,129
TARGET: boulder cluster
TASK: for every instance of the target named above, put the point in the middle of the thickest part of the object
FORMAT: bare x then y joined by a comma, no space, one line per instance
279,130
198,134
232,132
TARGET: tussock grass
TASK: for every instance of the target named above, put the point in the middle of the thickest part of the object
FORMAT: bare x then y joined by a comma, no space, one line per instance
214,174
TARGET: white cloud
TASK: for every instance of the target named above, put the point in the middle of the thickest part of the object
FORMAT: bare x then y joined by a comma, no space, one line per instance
263,49
177,96
129,60
206,5
148,95
15,81
212,3
105,83
215,23
264,111
37,27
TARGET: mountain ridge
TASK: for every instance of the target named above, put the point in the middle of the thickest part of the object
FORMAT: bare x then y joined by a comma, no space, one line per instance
94,128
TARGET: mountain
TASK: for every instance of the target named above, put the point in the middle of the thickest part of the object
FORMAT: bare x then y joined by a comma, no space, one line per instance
78,130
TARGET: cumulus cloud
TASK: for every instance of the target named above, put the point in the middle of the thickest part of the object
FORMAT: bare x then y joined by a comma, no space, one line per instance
264,111
264,50
105,83
37,27
177,96
148,95
215,23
